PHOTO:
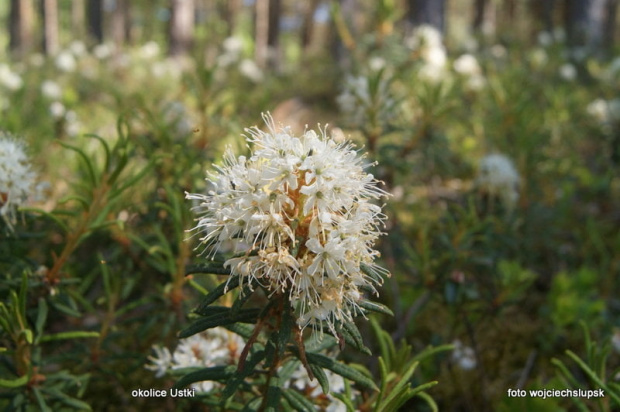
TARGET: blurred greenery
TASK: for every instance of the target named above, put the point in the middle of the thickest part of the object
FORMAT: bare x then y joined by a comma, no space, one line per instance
94,274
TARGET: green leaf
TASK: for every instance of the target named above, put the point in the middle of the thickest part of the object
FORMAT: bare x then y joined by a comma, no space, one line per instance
401,388
320,376
89,165
375,307
341,369
274,394
40,401
218,292
215,373
67,400
298,401
14,383
220,319
206,268
429,401
69,335
353,337
238,377
252,405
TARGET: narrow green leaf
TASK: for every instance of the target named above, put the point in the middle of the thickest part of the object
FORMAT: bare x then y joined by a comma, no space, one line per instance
22,298
272,401
423,387
384,381
218,292
48,215
346,400
69,335
341,369
429,401
87,161
131,181
401,386
298,401
67,400
238,377
215,373
320,376
40,401
432,350
353,337
106,148
243,330
375,307
14,383
252,405
206,268
222,319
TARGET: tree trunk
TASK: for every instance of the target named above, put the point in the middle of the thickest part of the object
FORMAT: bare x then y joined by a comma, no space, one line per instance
78,11
231,14
262,32
95,20
308,25
49,12
273,34
429,12
584,23
181,27
609,30
21,27
484,16
121,23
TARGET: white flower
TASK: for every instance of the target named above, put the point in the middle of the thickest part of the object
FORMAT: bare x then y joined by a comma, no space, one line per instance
149,50
78,48
300,211
250,69
51,90
464,356
103,51
233,45
65,61
538,57
213,347
57,110
545,38
498,177
299,380
467,65
424,36
568,72
605,111
10,79
17,180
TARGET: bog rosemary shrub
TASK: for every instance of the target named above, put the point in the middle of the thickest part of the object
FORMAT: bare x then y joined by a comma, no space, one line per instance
300,220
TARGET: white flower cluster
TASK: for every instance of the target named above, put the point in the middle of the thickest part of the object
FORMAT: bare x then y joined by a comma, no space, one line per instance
221,347
607,112
464,356
17,180
498,177
299,209
9,79
427,42
467,66
213,347
329,403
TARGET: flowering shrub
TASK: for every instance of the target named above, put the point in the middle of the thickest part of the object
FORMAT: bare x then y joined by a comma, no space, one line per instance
17,179
300,217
